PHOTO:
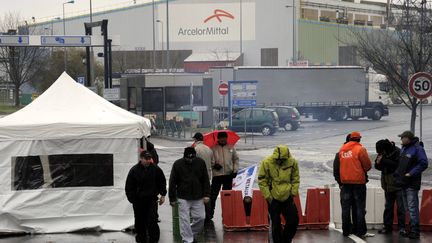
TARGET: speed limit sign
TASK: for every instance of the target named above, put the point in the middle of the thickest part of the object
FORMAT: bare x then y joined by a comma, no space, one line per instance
420,85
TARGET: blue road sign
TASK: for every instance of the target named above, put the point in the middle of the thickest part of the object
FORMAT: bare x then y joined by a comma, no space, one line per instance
244,103
14,40
241,94
65,40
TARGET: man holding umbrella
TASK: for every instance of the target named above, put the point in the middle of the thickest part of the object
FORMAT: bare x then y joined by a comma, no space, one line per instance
224,166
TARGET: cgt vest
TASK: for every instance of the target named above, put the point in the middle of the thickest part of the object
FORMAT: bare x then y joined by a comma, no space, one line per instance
351,169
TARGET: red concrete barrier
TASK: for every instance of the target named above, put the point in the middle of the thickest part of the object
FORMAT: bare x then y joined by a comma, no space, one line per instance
234,218
259,212
317,208
300,213
426,211
233,213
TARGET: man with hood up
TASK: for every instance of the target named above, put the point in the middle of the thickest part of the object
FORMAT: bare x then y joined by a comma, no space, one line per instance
387,161
412,162
279,180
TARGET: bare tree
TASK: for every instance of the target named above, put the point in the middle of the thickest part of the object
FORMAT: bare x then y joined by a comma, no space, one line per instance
403,48
20,64
53,67
119,59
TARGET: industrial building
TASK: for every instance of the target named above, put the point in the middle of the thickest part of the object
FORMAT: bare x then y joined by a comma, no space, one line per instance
203,33
162,59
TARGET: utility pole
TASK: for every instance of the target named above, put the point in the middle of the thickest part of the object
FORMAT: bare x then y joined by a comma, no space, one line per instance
154,41
167,30
92,74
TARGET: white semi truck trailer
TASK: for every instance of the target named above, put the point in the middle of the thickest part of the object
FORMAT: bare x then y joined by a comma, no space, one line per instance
323,92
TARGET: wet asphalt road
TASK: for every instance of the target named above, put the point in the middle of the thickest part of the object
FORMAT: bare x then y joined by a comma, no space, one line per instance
314,146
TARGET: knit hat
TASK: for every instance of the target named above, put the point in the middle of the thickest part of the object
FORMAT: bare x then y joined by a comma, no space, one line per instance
189,153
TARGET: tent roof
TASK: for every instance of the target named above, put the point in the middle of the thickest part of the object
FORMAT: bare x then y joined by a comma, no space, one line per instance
68,110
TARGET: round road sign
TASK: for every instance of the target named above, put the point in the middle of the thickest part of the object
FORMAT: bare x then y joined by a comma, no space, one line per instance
223,89
420,85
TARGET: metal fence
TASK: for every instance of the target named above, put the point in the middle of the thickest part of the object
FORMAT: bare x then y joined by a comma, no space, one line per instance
170,128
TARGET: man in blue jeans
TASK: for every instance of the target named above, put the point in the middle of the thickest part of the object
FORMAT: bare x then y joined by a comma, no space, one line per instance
413,161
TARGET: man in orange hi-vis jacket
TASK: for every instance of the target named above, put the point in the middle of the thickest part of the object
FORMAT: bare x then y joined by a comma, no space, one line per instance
354,164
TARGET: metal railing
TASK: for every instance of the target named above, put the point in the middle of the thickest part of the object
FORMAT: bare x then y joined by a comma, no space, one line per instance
171,128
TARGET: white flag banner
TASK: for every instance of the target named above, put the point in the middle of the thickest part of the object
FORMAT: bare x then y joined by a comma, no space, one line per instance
245,180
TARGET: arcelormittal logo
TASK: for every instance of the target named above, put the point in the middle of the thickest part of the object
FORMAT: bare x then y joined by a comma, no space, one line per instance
218,13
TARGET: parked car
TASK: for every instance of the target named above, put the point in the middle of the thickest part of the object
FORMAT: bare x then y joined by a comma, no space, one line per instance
261,120
289,117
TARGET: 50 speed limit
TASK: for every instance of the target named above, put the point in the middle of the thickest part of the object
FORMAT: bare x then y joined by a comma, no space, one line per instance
420,85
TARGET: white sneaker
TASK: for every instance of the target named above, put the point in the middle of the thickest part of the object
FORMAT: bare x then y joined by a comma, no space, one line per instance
368,235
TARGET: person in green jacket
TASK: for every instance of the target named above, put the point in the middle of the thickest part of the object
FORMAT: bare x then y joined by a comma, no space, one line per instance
279,180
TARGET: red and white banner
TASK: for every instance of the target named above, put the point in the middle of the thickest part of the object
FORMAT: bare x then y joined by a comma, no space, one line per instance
245,180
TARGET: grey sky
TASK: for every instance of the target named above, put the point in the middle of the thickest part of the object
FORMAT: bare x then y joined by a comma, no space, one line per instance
44,10
48,9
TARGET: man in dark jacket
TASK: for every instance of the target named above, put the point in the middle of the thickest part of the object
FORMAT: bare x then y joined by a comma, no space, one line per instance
387,162
189,186
144,183
413,161
151,149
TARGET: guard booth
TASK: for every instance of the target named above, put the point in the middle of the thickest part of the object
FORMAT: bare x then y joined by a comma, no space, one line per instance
167,96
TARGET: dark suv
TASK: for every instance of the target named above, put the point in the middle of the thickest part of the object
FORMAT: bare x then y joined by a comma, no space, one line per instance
260,120
289,117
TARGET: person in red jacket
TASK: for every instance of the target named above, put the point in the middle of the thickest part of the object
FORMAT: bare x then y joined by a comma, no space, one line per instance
354,164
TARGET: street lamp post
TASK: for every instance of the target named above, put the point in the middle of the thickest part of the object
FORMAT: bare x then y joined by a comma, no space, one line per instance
167,30
241,27
338,23
64,33
91,59
52,30
294,32
52,24
162,40
293,6
154,41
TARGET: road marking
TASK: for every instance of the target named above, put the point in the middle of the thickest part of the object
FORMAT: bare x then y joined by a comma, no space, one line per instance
163,147
352,237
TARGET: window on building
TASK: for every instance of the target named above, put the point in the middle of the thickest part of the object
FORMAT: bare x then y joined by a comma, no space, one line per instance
310,14
62,170
348,56
178,98
152,100
269,56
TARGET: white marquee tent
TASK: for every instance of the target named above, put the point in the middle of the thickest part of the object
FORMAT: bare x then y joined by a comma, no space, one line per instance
64,161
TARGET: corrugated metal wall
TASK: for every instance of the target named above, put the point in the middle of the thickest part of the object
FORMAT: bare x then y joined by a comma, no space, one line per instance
319,42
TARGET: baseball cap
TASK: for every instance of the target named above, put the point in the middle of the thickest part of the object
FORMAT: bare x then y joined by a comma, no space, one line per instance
355,135
407,134
146,155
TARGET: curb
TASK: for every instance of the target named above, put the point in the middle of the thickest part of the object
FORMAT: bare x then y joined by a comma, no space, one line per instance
177,139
